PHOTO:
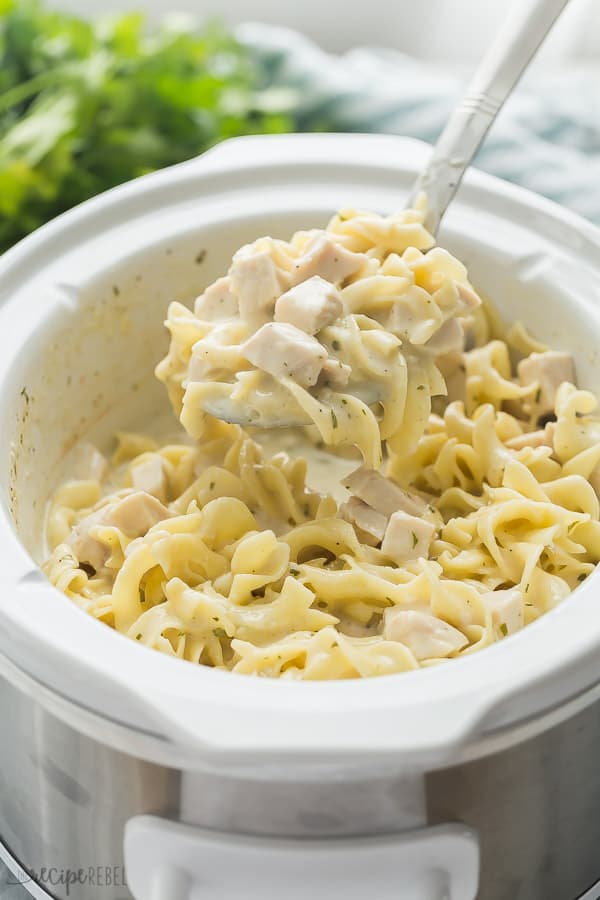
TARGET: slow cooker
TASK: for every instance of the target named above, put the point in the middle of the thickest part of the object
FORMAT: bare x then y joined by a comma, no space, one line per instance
475,778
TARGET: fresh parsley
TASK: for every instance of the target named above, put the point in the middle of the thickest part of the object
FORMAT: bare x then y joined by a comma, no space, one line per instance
86,105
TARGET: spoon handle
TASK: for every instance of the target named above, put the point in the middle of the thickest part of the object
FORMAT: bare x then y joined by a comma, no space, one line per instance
511,52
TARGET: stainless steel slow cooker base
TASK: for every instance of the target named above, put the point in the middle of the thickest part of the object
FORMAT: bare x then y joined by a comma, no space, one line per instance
67,800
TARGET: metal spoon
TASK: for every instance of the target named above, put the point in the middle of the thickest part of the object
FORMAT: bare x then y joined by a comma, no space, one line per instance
498,73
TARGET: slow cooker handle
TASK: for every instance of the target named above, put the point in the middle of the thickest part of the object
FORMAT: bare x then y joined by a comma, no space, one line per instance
167,860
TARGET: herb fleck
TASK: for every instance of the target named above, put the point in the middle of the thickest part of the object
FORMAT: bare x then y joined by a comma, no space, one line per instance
334,420
335,345
504,629
200,257
415,539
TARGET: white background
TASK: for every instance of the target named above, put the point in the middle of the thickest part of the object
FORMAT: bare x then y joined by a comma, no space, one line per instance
453,30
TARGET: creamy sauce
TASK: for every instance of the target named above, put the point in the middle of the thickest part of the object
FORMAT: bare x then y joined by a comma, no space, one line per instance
325,470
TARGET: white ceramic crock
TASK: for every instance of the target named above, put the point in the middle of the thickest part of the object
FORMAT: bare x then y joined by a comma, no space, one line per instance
81,304
81,309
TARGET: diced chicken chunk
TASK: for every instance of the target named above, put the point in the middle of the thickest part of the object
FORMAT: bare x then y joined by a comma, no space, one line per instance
549,370
382,494
329,260
149,475
134,515
217,301
426,636
283,350
449,338
310,306
335,373
407,537
369,524
254,281
89,464
87,549
542,438
507,609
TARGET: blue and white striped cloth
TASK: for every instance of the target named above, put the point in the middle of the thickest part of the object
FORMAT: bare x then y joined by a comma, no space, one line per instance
547,137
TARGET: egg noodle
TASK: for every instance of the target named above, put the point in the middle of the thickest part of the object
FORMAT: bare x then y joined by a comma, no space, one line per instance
472,511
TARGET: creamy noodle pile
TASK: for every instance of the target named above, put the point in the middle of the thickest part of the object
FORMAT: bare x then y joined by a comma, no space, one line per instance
469,465
338,329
